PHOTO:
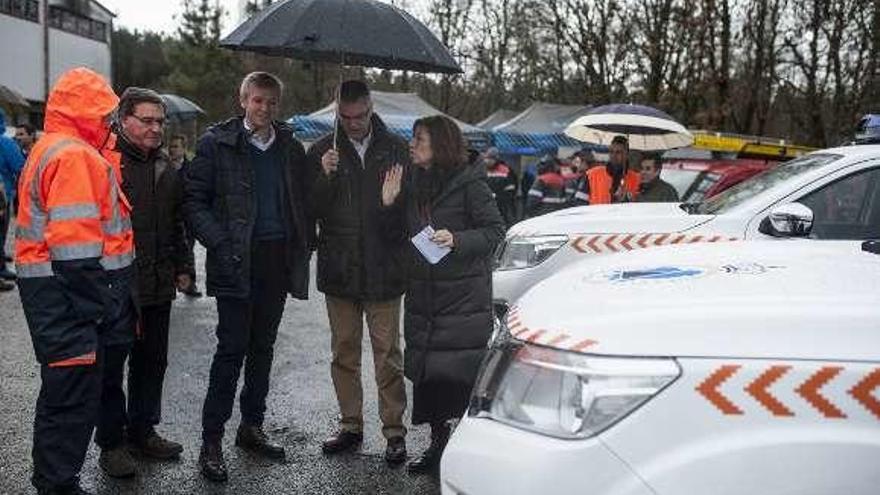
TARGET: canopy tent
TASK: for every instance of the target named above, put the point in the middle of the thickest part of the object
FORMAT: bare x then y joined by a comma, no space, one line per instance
498,117
538,129
398,110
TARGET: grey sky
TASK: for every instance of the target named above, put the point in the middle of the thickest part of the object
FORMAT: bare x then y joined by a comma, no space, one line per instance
161,15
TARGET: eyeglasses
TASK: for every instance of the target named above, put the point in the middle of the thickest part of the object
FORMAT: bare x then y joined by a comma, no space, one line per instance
150,121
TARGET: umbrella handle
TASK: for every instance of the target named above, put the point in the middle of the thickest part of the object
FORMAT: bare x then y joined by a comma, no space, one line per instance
336,114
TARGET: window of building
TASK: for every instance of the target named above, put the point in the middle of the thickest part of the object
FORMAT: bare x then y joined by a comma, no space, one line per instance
74,23
24,9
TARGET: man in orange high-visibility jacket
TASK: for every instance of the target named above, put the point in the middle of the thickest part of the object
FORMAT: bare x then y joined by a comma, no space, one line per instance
73,253
613,183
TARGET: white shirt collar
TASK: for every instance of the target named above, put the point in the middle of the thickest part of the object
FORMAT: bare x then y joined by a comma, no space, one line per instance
254,139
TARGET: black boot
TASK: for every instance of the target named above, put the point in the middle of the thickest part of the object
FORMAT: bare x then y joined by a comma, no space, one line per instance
429,461
211,462
253,439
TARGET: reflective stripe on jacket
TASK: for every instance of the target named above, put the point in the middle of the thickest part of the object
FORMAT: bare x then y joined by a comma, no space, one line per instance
546,195
71,207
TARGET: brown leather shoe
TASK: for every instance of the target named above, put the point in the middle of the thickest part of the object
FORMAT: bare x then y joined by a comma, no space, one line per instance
117,463
150,444
395,451
253,439
211,462
342,441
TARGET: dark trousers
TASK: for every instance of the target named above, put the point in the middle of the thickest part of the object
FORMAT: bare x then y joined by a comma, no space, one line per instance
4,228
246,334
112,418
146,369
67,409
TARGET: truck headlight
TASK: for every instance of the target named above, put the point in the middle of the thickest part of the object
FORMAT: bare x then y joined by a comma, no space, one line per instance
525,252
564,394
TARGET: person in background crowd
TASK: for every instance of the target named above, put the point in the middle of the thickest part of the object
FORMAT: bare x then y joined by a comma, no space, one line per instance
358,269
502,181
154,191
582,161
25,136
448,305
74,250
11,163
177,156
653,189
246,194
548,192
613,183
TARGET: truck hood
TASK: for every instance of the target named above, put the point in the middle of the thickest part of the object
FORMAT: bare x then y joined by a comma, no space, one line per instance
797,299
631,217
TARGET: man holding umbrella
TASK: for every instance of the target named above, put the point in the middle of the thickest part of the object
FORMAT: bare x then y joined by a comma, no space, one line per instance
357,266
613,183
245,199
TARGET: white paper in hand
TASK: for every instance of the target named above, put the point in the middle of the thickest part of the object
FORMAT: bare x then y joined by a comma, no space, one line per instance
431,251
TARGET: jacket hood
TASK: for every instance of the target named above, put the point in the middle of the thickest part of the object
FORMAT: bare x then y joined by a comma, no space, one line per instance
78,105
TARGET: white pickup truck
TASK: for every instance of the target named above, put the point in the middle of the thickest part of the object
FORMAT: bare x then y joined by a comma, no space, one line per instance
724,369
837,190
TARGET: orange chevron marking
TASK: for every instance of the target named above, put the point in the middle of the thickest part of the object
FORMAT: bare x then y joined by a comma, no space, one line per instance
643,241
583,345
677,239
863,390
558,339
715,239
592,244
535,336
758,390
709,389
609,241
625,242
659,241
577,245
809,390
696,238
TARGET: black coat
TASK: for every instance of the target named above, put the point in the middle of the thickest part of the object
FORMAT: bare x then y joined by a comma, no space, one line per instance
221,206
155,191
448,306
355,259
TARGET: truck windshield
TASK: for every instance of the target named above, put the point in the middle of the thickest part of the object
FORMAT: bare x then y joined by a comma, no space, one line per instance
747,189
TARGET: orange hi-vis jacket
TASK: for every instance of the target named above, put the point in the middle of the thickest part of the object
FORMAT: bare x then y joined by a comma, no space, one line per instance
599,182
71,205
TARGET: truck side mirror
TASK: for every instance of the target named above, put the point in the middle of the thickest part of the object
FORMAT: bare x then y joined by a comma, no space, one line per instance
788,220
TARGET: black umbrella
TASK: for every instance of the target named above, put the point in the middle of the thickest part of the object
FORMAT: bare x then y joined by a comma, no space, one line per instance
352,32
10,98
179,108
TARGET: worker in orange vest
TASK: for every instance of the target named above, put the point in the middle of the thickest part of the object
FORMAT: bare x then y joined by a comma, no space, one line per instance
612,183
73,253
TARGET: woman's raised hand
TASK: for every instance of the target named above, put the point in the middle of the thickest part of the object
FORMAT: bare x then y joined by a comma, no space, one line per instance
391,185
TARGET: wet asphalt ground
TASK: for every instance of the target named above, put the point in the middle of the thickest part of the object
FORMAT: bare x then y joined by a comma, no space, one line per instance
301,413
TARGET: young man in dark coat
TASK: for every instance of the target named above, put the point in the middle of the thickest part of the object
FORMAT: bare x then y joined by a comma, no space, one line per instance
358,268
653,189
245,200
155,193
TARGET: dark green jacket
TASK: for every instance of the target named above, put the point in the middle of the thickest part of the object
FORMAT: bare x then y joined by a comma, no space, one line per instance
657,191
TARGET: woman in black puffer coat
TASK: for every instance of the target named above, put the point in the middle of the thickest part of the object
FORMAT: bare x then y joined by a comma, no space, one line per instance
448,305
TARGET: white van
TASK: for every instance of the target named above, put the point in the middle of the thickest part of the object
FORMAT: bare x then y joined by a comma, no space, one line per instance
724,369
836,190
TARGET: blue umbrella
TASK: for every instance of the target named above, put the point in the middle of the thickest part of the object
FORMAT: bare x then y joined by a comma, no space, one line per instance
646,128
